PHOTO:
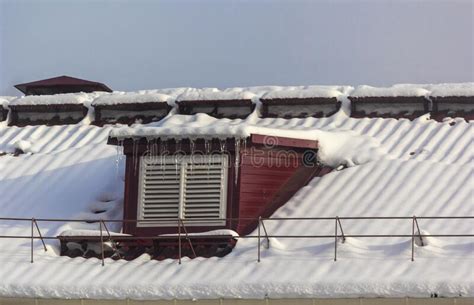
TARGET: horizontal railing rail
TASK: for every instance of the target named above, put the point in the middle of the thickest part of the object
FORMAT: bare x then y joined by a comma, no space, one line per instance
105,234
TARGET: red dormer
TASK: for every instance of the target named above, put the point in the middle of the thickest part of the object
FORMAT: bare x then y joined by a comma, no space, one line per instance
211,184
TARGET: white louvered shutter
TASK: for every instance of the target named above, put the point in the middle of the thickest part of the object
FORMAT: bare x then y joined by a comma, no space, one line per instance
159,192
193,189
204,189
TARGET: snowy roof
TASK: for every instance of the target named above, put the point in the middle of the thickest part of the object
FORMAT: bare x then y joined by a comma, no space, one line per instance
57,99
213,94
307,92
462,89
398,168
130,98
5,100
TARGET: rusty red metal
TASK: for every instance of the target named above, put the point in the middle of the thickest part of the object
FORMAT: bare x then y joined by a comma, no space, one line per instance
283,141
61,84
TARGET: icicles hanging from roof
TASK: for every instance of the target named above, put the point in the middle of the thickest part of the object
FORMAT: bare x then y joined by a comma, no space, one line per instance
136,157
237,159
119,156
222,144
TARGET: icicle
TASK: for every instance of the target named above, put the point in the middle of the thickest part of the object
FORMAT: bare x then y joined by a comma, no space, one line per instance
192,145
178,145
176,172
207,148
154,150
148,147
244,144
222,145
162,159
117,159
237,159
135,156
165,148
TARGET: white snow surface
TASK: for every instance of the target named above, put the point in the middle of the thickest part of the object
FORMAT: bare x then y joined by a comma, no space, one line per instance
253,93
90,233
130,98
66,98
220,232
202,95
459,89
336,147
5,100
307,92
419,167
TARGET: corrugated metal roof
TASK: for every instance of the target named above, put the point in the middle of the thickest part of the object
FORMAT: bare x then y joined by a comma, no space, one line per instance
428,172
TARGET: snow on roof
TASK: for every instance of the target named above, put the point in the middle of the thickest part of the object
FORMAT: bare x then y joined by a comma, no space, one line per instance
57,99
335,147
253,93
461,89
130,98
396,90
419,167
213,94
306,92
92,233
5,100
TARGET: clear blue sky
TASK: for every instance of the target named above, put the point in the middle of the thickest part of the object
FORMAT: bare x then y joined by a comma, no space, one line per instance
139,44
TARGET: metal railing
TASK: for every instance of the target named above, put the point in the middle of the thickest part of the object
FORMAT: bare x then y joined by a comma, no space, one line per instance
260,225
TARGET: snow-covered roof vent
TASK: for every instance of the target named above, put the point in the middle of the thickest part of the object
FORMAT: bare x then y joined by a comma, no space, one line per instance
4,101
59,109
398,101
311,101
453,106
220,104
129,108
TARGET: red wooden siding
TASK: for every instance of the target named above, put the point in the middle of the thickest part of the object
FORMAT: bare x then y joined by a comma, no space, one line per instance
260,181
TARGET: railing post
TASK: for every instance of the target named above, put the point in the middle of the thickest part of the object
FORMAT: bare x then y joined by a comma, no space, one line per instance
40,235
413,239
335,239
258,240
179,241
32,238
342,231
266,233
101,243
419,231
188,239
